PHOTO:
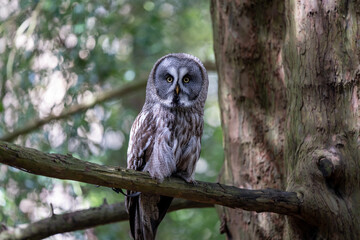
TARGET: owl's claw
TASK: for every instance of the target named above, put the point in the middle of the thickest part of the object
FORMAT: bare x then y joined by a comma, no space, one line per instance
194,182
186,178
156,176
119,190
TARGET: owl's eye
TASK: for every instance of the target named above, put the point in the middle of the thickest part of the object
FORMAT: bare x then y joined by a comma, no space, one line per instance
169,79
186,79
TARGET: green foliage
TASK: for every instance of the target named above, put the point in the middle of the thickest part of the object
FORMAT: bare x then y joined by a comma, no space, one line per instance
55,54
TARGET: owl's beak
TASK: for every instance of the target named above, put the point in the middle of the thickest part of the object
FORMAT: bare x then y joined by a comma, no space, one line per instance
177,89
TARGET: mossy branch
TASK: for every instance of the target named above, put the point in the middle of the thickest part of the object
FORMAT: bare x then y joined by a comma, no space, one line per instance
68,167
82,219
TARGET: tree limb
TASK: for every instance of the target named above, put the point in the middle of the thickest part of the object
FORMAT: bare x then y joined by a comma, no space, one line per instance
71,168
82,219
117,93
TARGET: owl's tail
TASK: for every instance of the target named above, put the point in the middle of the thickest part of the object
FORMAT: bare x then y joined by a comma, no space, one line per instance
146,211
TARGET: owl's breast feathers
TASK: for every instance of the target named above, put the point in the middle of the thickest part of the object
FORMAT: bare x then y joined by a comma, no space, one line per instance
164,141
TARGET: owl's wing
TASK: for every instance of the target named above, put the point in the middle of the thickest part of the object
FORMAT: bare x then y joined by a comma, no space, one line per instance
141,141
145,210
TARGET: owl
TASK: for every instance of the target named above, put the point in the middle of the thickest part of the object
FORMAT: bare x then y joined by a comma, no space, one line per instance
165,138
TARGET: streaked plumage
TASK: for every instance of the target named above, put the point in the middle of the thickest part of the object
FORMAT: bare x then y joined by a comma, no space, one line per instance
165,138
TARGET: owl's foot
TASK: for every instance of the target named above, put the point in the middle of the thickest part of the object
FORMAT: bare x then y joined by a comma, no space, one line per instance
119,190
157,176
186,177
193,181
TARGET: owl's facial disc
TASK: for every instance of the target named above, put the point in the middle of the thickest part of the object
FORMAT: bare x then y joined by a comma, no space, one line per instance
178,82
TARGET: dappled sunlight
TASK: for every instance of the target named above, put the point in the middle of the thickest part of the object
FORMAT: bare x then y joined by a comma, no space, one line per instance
213,86
57,55
3,171
212,110
11,105
57,135
46,60
10,117
8,7
63,237
119,47
53,94
2,198
129,75
71,40
86,98
95,134
73,144
212,115
12,189
2,47
96,114
60,197
24,41
28,207
166,10
113,139
201,166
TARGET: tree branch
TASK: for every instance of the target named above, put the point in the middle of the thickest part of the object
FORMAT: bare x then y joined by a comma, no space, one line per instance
117,93
82,219
68,167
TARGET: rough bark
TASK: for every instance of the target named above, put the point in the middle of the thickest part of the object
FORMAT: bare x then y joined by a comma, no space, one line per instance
247,43
82,219
68,167
322,54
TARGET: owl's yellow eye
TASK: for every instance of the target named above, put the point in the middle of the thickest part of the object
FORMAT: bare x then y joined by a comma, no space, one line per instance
186,79
169,79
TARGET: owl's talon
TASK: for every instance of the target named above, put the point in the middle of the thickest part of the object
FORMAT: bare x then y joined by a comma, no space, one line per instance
157,177
119,190
194,182
186,178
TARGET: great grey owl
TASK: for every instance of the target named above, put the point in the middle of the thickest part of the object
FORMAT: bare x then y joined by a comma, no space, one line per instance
165,137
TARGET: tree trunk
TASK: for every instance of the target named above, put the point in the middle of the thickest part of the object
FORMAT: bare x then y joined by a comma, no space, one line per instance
322,151
289,73
247,43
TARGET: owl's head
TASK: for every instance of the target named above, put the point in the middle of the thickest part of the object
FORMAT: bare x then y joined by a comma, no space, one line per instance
178,81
